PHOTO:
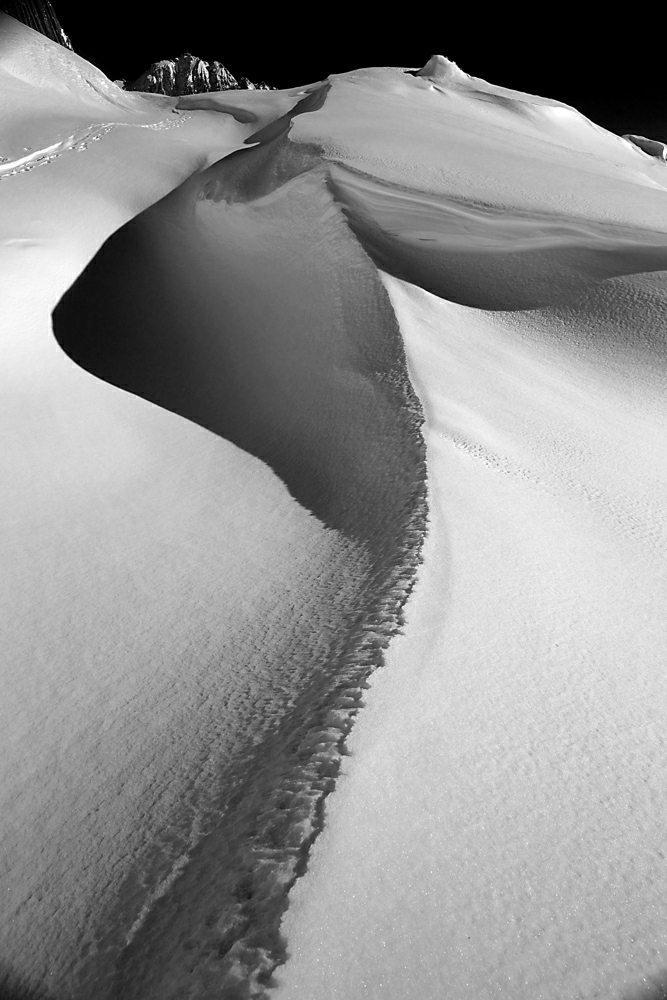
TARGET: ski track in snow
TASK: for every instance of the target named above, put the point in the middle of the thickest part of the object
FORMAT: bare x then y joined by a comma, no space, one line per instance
76,143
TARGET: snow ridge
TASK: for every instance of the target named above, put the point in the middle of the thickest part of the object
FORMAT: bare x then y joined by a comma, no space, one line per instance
653,147
38,15
216,931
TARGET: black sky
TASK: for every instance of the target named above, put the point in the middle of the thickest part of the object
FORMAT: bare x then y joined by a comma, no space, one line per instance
603,66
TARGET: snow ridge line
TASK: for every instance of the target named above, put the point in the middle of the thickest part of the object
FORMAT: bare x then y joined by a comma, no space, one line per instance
294,814
278,852
264,843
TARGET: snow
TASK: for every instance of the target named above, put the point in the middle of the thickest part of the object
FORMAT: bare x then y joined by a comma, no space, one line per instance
498,828
183,640
194,593
155,578
651,146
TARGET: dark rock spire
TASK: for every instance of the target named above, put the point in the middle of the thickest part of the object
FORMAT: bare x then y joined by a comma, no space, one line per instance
188,74
37,14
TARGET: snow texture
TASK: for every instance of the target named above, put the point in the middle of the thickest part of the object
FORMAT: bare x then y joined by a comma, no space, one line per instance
186,642
498,828
651,146
215,340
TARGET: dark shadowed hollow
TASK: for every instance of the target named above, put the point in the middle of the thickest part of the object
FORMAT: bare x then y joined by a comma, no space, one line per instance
243,302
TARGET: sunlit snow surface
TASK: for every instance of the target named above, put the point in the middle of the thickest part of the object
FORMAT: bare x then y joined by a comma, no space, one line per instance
213,511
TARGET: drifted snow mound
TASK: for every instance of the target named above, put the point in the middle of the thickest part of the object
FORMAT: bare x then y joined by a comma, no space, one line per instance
651,146
444,73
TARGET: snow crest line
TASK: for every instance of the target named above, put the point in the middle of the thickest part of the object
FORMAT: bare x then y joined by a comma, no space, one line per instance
261,226
76,143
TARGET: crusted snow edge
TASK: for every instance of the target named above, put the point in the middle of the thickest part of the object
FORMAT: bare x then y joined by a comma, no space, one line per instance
294,814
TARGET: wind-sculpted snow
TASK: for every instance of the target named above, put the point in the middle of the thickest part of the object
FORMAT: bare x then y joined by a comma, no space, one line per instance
39,15
243,302
188,74
214,517
652,147
485,255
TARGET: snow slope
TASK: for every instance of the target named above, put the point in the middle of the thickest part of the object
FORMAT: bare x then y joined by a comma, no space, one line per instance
147,566
212,512
183,641
499,828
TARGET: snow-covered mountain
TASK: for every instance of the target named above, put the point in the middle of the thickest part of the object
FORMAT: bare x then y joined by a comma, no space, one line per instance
187,74
37,14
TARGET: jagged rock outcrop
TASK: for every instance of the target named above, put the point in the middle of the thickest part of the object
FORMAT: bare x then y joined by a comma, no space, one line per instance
188,74
37,14
651,146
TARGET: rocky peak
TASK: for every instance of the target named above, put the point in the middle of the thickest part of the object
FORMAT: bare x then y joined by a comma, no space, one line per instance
187,74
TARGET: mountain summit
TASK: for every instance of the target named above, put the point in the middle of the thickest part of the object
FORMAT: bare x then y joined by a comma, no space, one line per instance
37,14
187,74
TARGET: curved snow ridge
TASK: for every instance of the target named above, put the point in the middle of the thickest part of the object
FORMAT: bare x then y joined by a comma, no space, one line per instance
243,302
76,143
313,101
488,257
416,216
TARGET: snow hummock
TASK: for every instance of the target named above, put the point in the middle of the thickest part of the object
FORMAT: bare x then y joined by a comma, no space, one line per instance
439,69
